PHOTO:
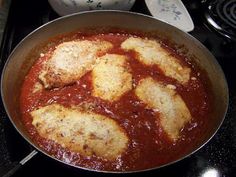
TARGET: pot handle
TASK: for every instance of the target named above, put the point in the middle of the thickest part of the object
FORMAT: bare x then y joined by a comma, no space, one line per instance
17,166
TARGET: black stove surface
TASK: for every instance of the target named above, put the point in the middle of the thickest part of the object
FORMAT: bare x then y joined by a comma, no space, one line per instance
217,158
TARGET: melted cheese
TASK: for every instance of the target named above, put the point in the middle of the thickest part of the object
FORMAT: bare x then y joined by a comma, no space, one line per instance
37,87
83,132
174,113
111,77
150,52
70,61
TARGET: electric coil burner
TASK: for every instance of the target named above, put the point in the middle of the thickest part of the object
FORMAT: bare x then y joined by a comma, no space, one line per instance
221,16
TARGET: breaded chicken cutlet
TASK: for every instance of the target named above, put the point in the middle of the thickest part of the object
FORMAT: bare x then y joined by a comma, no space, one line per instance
150,52
70,61
111,77
174,113
84,132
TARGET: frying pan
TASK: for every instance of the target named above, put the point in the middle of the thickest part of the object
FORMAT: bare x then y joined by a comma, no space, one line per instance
19,63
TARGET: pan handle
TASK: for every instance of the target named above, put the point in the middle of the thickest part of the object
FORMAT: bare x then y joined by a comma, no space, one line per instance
17,166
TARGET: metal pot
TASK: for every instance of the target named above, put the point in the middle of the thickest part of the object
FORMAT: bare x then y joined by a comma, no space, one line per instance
21,60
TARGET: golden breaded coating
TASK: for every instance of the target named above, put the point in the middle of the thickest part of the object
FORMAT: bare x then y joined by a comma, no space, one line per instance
150,52
83,132
38,87
174,113
111,77
70,61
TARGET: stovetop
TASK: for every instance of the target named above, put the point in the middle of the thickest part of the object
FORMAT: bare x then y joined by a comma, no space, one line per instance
216,158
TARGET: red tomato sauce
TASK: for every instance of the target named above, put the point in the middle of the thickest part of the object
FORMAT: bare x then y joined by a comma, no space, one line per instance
149,146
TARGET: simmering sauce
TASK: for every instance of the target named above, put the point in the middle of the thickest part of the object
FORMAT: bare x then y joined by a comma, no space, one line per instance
149,145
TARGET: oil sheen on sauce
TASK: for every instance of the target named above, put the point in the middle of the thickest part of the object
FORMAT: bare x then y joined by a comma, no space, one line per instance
149,146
